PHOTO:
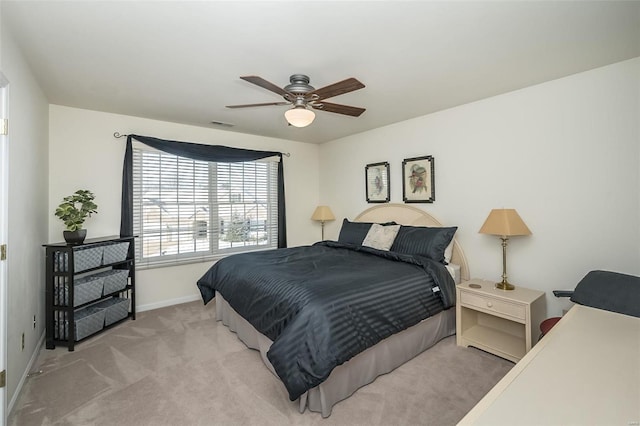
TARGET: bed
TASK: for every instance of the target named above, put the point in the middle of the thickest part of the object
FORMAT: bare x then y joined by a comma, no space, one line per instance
322,389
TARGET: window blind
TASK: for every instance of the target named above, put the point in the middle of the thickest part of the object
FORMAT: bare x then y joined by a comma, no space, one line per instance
189,210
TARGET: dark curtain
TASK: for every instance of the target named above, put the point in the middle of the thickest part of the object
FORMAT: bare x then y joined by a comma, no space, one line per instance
195,151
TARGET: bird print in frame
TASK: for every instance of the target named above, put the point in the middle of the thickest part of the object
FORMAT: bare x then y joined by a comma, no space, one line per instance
418,180
377,182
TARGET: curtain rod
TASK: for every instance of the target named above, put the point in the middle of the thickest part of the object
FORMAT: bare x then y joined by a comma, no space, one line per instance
118,136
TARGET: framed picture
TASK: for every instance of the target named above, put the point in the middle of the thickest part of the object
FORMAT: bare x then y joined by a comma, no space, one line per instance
377,182
418,180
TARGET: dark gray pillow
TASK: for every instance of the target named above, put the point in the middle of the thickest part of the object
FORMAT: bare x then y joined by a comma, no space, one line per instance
355,232
424,241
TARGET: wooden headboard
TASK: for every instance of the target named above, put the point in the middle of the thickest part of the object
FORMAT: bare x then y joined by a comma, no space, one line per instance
408,215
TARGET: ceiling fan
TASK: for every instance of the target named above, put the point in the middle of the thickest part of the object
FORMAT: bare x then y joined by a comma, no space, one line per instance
302,96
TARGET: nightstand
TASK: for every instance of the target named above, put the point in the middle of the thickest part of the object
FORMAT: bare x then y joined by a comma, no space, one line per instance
498,321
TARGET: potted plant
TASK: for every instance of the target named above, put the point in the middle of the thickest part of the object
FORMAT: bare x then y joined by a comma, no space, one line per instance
73,211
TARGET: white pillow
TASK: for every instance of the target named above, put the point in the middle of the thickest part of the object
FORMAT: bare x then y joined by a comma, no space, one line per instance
381,237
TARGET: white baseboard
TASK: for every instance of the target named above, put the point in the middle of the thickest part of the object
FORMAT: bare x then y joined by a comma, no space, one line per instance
165,303
32,361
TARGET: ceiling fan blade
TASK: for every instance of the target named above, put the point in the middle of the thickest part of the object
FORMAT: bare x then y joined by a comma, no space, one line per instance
259,81
257,105
339,109
335,89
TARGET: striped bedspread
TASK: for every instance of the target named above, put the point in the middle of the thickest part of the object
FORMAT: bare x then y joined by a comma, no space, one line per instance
323,304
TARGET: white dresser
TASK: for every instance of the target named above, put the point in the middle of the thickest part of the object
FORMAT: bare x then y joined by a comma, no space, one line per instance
585,371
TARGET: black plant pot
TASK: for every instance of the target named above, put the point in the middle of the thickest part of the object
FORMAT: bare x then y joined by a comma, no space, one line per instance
75,237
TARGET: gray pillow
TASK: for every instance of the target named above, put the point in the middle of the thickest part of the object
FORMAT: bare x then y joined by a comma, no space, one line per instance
355,232
424,241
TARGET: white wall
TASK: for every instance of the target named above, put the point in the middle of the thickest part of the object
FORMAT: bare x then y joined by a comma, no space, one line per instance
565,154
27,219
85,155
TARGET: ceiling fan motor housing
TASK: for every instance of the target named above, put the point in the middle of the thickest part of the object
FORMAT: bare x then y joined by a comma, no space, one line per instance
299,84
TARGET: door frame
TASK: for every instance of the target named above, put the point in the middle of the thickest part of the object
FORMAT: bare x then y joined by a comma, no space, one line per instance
4,213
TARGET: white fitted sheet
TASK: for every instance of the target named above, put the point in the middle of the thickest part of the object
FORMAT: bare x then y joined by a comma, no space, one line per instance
454,270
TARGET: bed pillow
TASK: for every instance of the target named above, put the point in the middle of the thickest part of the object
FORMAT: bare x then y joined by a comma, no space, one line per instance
355,232
381,237
425,241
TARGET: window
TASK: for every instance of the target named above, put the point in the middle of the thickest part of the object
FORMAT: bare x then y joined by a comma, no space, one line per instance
187,210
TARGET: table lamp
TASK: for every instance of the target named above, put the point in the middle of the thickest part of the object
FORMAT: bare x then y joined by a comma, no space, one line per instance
505,223
323,214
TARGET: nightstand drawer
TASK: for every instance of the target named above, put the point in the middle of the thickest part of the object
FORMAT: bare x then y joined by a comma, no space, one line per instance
493,305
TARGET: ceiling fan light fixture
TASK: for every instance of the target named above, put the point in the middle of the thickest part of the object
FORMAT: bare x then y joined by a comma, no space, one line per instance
299,116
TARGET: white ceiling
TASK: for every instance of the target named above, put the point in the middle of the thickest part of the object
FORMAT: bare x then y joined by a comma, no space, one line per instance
181,61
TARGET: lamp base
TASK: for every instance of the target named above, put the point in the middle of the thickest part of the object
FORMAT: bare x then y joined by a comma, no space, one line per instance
504,285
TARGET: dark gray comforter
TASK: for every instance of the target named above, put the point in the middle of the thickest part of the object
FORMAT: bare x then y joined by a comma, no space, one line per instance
323,304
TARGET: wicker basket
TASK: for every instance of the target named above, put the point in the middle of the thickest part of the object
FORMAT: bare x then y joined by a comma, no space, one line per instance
87,322
87,258
114,280
84,258
114,253
85,290
61,261
116,309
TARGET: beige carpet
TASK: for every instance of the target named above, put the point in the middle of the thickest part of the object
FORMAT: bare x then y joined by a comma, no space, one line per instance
178,366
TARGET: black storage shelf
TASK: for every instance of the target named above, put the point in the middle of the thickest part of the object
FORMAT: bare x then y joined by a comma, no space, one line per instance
61,272
92,302
97,268
105,328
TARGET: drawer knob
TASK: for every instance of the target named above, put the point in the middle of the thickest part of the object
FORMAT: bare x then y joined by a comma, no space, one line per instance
489,304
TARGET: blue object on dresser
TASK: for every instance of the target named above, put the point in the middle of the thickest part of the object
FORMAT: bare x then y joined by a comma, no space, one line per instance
610,291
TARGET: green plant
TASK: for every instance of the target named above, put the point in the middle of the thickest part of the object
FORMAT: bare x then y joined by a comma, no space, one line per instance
75,209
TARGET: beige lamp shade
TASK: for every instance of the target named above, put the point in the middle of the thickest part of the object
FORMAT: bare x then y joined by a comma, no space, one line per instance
322,214
504,222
